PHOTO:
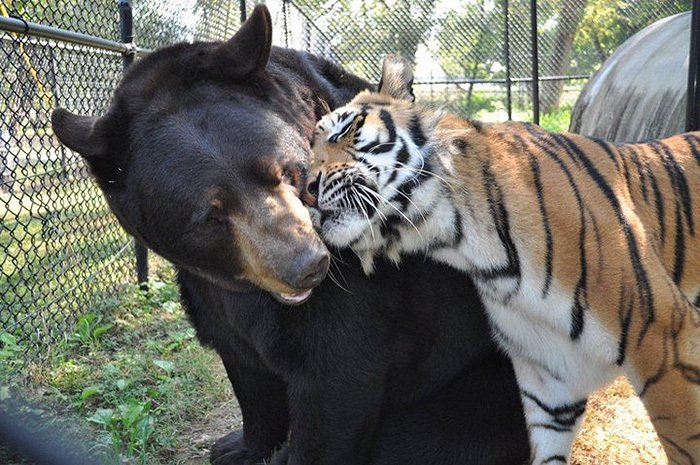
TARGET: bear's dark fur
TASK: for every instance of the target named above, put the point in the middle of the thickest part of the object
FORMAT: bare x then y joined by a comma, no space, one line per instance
396,369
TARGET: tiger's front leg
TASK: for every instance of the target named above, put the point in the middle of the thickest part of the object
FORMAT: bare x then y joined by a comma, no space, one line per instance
552,413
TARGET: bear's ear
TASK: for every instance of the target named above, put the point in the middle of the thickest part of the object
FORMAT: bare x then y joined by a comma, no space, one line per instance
397,78
249,49
79,133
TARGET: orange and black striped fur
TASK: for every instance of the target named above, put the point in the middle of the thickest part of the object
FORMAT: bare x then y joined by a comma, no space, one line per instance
585,253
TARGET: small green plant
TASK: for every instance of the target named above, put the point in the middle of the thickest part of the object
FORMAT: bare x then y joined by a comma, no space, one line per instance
89,330
10,351
11,354
130,427
557,120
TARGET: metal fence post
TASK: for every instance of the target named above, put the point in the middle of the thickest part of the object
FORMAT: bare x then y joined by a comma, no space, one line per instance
126,27
692,116
535,63
244,13
506,40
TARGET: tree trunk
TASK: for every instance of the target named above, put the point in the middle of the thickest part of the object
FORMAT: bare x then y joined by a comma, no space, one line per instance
570,15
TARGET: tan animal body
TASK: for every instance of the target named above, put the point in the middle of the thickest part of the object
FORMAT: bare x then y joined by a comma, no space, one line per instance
585,253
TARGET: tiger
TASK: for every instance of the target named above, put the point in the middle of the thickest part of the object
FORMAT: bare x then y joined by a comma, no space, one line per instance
584,252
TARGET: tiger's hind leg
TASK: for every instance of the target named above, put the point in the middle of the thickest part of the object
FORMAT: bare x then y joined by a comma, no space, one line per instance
665,370
552,413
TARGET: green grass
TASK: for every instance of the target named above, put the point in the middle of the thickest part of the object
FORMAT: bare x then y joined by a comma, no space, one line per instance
490,106
557,120
133,371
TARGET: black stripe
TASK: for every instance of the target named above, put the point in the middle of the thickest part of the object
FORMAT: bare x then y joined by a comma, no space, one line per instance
558,429
677,182
401,158
690,373
598,240
579,294
459,228
632,150
692,141
680,183
565,144
608,150
646,297
390,226
360,124
415,130
624,313
658,201
554,458
344,129
535,168
687,455
679,252
551,140
626,173
564,415
388,121
656,377
499,214
411,184
376,147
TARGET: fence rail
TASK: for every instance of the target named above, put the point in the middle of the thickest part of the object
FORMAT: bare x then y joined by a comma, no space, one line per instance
62,254
21,26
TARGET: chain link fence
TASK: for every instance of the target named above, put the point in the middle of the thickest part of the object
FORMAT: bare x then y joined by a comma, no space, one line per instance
62,253
473,56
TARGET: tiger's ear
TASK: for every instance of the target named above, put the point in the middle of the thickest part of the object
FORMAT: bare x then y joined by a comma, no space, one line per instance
397,78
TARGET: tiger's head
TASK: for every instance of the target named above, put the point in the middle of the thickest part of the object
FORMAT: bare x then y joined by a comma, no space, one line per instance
372,156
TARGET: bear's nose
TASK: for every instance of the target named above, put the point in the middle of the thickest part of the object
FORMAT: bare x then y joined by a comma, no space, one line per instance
309,268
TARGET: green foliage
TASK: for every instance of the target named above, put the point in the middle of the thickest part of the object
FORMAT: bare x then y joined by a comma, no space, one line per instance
470,40
607,24
11,358
361,32
134,370
89,330
557,120
130,427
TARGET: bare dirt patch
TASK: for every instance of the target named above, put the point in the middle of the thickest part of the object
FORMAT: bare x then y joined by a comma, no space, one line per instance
201,435
617,431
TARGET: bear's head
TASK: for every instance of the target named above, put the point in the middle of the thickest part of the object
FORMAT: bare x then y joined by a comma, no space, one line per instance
202,156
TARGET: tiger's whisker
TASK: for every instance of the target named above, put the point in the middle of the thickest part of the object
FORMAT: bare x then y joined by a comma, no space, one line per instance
420,212
355,195
383,199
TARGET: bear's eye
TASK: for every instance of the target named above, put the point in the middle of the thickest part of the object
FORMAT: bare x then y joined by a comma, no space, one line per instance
215,215
291,176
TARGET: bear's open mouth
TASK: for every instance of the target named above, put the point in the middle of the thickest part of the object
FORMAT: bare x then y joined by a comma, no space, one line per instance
296,298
